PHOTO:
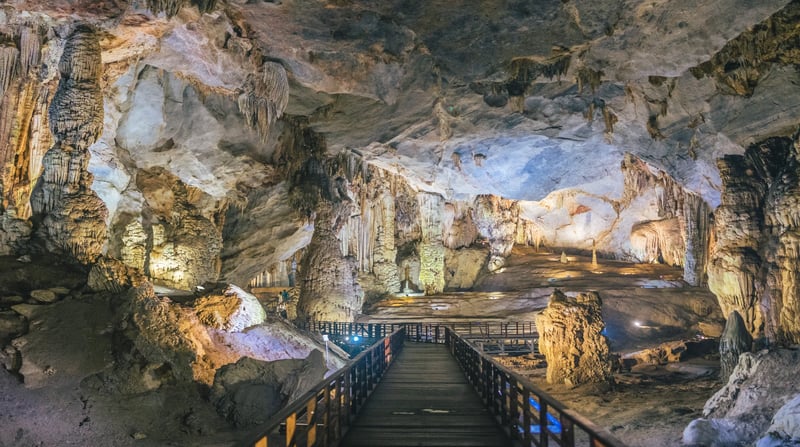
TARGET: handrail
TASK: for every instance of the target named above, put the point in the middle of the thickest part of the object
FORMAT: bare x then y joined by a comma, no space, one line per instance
527,413
428,332
322,416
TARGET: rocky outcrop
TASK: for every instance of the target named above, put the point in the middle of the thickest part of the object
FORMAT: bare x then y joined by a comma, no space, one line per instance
571,339
172,342
741,411
250,391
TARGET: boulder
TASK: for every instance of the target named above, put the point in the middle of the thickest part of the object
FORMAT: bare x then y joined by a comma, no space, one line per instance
44,296
785,427
571,339
230,309
250,391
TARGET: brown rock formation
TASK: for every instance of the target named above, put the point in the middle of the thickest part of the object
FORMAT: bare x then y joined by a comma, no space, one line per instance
571,339
230,309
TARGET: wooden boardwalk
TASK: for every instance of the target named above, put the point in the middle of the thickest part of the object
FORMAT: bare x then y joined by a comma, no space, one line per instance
424,400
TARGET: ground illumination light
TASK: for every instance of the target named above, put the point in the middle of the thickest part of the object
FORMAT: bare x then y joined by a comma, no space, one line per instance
637,324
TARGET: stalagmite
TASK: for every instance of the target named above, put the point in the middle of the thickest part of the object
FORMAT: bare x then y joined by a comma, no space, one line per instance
571,339
431,247
734,341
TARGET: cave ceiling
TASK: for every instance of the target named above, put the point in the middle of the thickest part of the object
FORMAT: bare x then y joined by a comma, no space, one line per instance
515,98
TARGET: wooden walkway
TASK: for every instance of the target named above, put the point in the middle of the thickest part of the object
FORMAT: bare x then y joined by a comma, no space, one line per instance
424,400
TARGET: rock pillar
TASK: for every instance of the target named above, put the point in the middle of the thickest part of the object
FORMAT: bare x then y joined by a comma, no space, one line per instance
571,339
734,341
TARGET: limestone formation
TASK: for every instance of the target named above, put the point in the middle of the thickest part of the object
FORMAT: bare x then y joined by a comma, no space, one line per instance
734,342
265,98
230,309
249,391
431,248
328,290
753,269
72,217
571,339
496,220
109,274
175,341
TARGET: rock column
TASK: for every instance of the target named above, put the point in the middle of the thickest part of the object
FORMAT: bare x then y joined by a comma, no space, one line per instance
571,339
71,217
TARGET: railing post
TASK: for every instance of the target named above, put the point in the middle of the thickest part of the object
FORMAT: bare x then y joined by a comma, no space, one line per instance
311,418
567,432
526,417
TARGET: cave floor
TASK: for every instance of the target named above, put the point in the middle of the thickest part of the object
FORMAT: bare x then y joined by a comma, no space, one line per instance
650,405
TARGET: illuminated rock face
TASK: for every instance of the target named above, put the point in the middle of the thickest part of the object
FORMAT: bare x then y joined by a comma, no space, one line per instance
754,264
571,339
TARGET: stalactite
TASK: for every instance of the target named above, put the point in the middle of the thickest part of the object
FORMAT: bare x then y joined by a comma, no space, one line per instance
739,66
9,56
265,97
30,47
170,8
673,203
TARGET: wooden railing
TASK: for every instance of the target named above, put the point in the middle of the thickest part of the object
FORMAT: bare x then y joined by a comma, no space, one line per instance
322,416
430,332
528,414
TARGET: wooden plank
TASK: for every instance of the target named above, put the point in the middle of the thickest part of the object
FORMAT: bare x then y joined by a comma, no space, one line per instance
424,400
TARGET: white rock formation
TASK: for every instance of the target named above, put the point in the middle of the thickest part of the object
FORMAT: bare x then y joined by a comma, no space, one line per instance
741,411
